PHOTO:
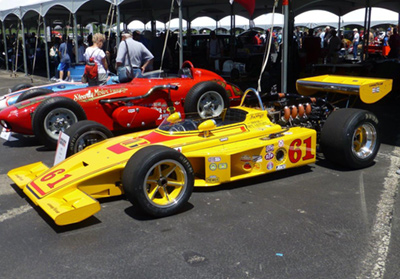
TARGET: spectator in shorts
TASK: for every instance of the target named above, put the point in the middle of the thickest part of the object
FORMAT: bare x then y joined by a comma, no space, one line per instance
99,56
65,59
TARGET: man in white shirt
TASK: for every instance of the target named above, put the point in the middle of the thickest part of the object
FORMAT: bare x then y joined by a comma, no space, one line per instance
356,40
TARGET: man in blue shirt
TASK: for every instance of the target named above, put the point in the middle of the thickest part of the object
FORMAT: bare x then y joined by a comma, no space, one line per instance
65,60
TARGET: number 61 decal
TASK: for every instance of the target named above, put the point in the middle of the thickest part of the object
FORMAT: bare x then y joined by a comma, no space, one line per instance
51,175
295,150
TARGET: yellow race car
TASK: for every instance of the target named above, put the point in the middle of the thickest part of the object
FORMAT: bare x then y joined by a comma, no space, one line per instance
157,169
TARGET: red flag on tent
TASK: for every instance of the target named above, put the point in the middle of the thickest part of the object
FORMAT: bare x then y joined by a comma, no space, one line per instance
249,5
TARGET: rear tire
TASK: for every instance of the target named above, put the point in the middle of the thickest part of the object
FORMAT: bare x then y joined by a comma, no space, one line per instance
54,115
159,180
32,93
350,138
85,133
207,98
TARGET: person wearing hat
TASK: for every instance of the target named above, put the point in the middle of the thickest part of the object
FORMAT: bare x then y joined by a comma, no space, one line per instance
356,39
139,55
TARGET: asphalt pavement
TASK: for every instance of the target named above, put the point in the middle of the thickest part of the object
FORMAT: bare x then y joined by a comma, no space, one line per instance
317,221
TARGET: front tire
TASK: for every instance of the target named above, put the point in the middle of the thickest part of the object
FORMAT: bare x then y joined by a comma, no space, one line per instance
85,133
206,98
54,115
20,86
159,180
350,138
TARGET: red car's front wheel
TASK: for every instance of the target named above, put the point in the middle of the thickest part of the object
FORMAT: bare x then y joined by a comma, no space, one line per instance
54,115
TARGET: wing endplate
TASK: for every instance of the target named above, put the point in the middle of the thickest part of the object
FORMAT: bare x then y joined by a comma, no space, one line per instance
25,174
69,207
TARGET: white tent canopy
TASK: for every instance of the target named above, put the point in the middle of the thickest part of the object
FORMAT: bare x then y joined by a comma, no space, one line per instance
21,7
316,18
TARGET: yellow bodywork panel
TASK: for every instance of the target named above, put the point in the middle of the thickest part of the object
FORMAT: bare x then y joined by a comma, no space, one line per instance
370,90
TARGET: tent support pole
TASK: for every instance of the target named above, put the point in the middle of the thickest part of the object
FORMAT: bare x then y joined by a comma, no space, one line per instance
46,47
24,47
188,29
5,44
285,55
232,33
76,38
180,35
118,24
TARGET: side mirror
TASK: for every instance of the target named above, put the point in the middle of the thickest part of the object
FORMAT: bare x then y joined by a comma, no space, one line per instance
175,117
207,126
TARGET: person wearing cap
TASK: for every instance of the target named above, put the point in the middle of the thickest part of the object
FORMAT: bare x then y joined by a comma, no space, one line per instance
356,39
139,55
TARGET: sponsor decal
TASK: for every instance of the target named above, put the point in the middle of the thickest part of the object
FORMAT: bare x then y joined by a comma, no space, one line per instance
280,167
269,148
269,156
257,158
270,166
223,166
98,93
212,179
179,149
223,139
256,116
257,166
376,84
376,89
245,158
281,143
213,166
214,159
247,166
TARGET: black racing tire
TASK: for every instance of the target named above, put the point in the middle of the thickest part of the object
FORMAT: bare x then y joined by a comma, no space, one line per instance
207,98
85,133
178,181
20,87
32,93
54,115
350,138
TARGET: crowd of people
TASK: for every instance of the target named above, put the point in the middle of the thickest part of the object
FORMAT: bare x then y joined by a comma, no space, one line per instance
62,52
334,45
144,50
317,46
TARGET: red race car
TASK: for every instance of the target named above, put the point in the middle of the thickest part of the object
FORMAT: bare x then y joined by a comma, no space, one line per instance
142,103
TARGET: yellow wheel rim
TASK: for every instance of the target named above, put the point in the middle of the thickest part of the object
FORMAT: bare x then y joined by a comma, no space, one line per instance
364,140
165,183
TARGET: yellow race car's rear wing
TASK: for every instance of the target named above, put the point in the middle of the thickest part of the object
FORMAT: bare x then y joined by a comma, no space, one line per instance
370,90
